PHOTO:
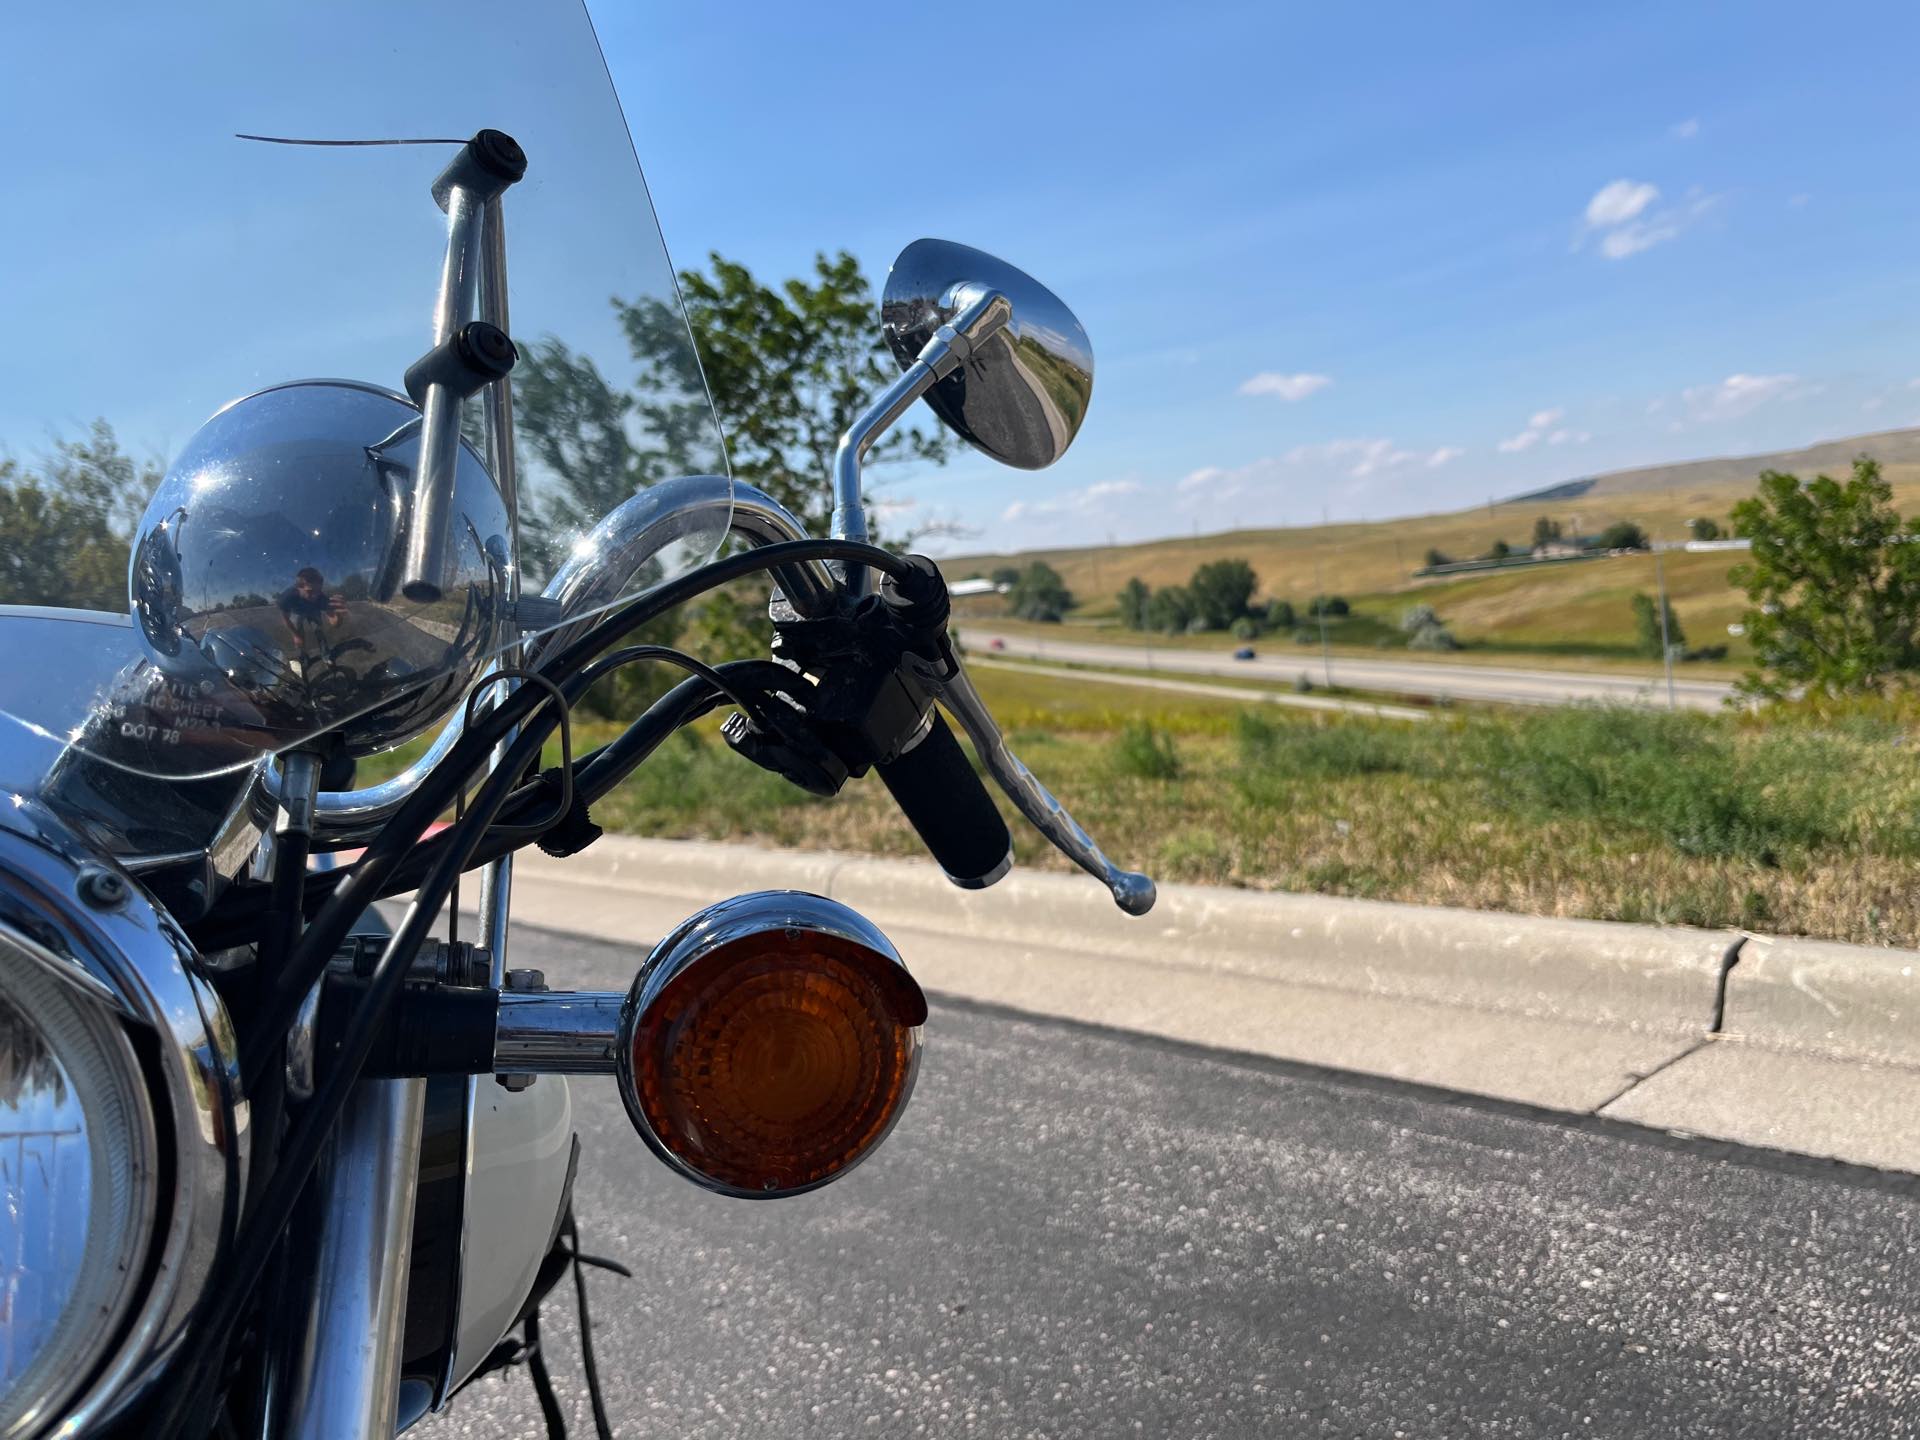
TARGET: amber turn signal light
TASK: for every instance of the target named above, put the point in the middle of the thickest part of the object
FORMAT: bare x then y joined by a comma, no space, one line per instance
769,1044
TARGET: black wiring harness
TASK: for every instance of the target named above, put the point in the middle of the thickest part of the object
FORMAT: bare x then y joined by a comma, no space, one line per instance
400,858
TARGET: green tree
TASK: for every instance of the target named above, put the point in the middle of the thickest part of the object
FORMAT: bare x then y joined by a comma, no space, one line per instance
1703,528
1006,575
1170,609
1546,530
1621,535
1280,615
1437,556
1646,628
1833,584
788,368
1499,550
1221,590
1039,594
1333,605
1134,600
66,525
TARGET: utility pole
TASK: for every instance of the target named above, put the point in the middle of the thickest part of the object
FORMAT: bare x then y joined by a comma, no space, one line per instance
1320,603
1666,645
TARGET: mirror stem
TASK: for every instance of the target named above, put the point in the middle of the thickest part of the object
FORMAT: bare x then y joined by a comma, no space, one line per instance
950,347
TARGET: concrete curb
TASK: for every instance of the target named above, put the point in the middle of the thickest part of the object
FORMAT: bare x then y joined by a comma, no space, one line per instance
1817,1055
1847,1001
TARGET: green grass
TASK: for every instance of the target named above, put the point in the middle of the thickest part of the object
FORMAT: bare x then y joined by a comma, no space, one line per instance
1806,824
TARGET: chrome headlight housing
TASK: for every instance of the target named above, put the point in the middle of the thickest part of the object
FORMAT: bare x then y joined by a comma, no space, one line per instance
78,1181
122,1131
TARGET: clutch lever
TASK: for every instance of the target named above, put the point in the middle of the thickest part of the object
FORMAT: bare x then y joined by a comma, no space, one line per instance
946,679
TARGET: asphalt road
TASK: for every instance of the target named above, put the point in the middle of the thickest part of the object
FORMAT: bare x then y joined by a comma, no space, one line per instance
1081,1233
1401,677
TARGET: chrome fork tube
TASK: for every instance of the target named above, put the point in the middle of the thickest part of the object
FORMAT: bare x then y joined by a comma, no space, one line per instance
344,1372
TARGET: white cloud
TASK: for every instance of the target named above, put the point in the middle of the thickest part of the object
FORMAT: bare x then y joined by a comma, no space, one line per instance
1737,395
1632,239
1686,129
1541,426
1083,500
1360,457
1290,388
1619,201
1621,211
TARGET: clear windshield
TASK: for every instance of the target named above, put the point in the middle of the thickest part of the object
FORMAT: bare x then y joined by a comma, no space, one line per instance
155,268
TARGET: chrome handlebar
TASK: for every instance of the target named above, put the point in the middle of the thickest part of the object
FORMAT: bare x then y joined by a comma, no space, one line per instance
600,571
594,576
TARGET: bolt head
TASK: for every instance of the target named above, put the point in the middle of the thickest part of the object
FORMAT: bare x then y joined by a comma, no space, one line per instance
101,888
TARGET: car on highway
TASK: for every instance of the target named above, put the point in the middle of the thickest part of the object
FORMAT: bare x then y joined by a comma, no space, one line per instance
996,643
1245,652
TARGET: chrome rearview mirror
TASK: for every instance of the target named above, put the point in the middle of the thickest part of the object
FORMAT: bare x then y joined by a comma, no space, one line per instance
1021,394
995,353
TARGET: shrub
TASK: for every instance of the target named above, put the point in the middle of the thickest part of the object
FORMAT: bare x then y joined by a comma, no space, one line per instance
1339,749
1304,636
1622,535
1280,615
1245,628
1437,557
1327,605
1681,776
1143,752
1416,618
1649,638
1432,637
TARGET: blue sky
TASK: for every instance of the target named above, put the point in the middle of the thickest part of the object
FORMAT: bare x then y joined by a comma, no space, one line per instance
1361,260
1376,260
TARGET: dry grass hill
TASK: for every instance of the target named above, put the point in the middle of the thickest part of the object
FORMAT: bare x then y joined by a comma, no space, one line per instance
1577,608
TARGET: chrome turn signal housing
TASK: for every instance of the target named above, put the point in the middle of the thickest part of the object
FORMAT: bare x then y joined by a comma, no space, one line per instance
769,1044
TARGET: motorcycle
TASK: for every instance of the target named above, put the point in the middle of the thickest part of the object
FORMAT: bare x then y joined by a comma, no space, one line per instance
271,1165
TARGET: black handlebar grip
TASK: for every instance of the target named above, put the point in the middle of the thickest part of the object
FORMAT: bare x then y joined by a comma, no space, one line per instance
949,806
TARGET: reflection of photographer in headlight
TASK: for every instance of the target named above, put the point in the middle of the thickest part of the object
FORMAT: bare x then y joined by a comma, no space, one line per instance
307,608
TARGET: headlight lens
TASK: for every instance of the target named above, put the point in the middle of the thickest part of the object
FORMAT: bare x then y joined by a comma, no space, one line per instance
77,1178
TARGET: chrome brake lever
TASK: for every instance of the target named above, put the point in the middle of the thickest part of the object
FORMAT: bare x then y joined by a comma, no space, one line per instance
1133,893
